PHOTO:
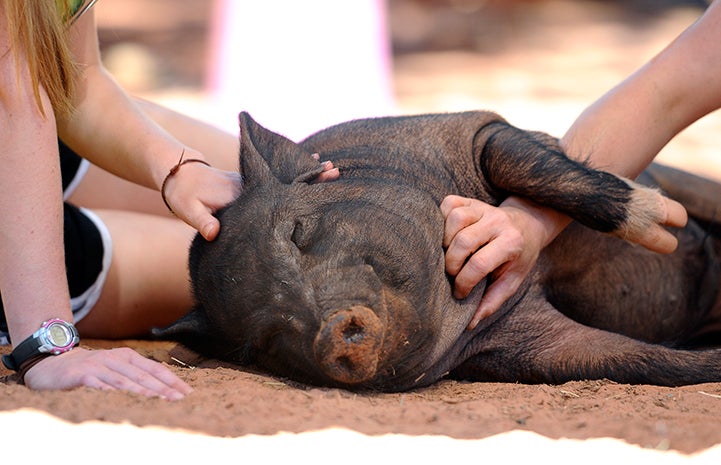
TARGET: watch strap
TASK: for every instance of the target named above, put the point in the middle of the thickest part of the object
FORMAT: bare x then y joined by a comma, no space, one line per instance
22,352
9,362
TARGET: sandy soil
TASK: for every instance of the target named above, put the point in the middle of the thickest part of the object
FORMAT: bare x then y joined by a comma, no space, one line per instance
540,75
231,402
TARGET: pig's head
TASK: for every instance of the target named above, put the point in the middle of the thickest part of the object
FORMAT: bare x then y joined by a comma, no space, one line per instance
339,283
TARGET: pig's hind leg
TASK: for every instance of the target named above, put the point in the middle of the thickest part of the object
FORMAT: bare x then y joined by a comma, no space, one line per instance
534,343
533,165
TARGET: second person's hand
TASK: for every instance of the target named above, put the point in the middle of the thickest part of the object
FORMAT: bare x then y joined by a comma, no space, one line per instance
501,242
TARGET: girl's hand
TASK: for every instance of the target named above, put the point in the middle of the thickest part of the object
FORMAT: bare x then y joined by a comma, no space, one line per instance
196,191
121,368
330,172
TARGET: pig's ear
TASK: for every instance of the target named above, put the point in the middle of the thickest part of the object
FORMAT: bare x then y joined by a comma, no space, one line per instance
265,155
193,331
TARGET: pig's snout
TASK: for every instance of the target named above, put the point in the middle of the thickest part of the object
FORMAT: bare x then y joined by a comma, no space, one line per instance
348,344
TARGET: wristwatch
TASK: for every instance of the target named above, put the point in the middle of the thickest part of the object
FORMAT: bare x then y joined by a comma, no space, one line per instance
54,337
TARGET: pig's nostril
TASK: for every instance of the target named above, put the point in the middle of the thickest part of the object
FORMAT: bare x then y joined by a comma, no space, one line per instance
353,333
348,343
346,363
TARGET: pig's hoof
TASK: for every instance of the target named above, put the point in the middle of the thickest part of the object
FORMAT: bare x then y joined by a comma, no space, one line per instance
348,343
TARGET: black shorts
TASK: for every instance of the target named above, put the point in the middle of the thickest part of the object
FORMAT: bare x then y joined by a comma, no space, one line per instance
88,247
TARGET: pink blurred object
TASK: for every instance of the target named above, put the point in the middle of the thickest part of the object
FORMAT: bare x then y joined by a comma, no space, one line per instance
299,66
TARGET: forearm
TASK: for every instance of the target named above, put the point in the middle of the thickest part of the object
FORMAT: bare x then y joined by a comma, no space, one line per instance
625,129
32,266
219,147
110,130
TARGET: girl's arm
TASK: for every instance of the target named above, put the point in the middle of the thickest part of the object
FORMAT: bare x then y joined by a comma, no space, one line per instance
32,266
111,131
621,132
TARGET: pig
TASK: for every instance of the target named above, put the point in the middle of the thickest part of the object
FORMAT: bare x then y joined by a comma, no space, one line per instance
343,283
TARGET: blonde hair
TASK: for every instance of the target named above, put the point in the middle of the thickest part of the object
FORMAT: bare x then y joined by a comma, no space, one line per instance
37,28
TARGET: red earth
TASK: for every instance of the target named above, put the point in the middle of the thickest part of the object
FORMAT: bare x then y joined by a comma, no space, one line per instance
547,60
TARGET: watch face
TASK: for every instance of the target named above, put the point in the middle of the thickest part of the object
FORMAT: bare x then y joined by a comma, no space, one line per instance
59,335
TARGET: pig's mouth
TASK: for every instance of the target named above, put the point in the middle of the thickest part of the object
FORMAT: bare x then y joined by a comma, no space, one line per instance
348,344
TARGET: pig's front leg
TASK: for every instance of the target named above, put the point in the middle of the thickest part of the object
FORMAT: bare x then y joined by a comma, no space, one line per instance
534,343
533,165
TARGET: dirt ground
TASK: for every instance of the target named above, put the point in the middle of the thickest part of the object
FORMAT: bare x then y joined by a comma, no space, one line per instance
538,64
231,402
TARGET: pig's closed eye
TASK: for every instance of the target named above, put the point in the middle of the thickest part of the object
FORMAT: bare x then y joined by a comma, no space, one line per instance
297,236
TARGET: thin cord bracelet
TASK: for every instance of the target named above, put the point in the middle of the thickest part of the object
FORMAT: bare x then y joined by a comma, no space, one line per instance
173,171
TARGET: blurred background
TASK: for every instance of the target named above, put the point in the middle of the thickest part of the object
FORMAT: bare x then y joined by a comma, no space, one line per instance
299,66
